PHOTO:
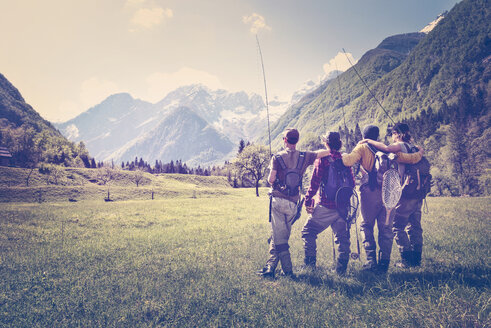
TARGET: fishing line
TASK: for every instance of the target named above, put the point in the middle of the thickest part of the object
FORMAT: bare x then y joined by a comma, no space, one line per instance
356,71
266,94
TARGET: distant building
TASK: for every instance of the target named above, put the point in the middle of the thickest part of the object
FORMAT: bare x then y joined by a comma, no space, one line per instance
5,157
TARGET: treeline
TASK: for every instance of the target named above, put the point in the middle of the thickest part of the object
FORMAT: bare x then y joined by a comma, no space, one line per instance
31,145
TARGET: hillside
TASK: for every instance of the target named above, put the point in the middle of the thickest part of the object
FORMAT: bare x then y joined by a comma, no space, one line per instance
323,108
94,184
29,137
437,82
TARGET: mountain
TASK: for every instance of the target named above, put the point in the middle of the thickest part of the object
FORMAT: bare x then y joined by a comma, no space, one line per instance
30,138
117,128
111,124
182,134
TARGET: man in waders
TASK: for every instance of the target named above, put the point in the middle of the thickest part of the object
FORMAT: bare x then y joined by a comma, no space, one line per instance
372,208
286,172
324,209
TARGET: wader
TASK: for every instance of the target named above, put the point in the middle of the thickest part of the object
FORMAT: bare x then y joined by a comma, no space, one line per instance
318,221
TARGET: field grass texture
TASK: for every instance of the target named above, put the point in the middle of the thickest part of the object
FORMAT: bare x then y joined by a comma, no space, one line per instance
189,261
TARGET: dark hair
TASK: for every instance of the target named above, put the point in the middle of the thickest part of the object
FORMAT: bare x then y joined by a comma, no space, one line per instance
291,135
403,130
333,140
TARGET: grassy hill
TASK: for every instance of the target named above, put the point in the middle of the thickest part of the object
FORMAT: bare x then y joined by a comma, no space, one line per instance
185,262
88,184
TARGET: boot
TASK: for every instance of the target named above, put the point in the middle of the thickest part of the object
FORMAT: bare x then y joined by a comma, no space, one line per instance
405,261
266,272
383,266
416,258
286,262
289,275
370,265
310,262
341,266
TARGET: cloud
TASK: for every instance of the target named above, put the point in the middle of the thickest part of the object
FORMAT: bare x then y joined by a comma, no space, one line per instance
148,18
160,84
339,62
257,22
131,3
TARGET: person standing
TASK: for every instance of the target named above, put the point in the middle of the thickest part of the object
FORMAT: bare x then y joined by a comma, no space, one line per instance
408,210
372,208
286,172
323,211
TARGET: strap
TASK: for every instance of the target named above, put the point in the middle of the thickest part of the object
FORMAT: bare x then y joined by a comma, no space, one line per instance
281,162
301,160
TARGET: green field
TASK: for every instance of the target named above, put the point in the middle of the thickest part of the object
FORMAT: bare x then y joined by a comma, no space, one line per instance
188,260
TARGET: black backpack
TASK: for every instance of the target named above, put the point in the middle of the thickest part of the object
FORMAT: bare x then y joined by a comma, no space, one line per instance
418,177
338,185
292,182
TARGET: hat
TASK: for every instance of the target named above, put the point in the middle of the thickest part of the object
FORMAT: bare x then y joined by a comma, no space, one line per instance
291,136
371,132
401,128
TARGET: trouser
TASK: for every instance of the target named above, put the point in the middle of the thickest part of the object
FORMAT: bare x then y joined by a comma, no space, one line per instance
282,213
322,218
408,217
373,210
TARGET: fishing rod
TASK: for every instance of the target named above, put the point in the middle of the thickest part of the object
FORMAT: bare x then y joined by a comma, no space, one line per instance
269,129
357,170
266,94
356,71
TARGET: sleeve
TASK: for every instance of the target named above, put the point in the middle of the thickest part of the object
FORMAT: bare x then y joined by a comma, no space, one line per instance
314,183
311,157
274,163
409,158
353,157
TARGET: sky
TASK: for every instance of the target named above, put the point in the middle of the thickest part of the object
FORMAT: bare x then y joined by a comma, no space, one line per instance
66,56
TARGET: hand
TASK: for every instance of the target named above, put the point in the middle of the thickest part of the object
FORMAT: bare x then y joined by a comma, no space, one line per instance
363,141
421,150
309,209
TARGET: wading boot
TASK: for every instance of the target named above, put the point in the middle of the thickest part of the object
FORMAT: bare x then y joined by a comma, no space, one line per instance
286,261
341,267
405,261
383,266
266,272
370,265
416,258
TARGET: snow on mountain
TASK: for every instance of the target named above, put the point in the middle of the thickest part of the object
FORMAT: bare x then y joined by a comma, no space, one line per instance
113,127
181,134
428,28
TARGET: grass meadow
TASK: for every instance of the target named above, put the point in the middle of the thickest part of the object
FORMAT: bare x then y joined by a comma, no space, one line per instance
189,261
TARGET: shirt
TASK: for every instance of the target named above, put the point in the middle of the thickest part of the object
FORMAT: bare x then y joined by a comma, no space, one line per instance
290,157
321,169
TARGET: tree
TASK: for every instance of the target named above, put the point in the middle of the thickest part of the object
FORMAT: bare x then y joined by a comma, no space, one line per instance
137,177
241,146
105,174
253,162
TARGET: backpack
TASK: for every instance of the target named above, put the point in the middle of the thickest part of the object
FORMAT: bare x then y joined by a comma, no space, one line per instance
291,184
418,177
382,164
338,185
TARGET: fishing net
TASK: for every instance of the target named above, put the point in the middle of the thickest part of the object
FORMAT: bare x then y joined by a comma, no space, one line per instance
391,188
347,204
